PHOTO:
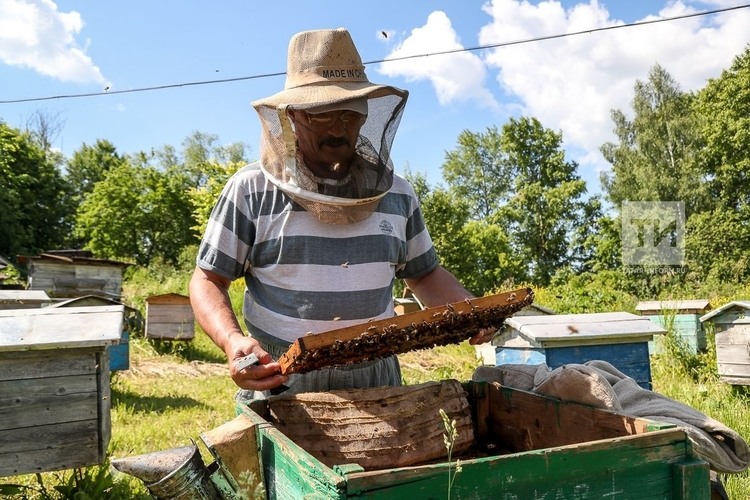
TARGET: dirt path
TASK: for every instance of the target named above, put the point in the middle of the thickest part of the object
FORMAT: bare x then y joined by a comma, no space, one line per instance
156,367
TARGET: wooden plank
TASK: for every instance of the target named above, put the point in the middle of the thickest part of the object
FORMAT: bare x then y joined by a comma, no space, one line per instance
104,406
629,467
80,454
43,437
171,314
49,410
555,423
691,480
34,388
433,326
51,328
170,331
47,363
235,445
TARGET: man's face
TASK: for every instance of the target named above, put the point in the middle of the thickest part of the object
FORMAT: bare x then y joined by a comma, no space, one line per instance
327,141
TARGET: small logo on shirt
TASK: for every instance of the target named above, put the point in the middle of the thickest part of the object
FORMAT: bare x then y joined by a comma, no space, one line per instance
386,227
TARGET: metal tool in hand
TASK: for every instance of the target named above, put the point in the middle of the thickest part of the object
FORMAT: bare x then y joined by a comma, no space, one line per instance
250,360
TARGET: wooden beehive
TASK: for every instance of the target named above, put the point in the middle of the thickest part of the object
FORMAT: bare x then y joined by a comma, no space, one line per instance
119,354
23,299
682,316
54,387
169,317
619,338
525,446
732,326
74,273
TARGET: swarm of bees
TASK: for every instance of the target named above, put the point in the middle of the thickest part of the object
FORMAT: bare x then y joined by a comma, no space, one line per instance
447,326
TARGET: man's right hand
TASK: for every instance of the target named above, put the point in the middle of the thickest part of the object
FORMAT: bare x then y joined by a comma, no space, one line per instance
264,375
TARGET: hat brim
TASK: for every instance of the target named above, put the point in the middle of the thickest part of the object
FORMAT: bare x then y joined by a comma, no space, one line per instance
312,96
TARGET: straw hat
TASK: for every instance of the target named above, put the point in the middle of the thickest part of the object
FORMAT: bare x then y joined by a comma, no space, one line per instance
324,67
325,72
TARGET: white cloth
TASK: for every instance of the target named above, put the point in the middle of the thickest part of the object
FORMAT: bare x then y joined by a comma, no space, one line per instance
599,384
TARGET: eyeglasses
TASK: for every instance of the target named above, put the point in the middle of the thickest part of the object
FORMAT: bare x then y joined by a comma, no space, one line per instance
324,121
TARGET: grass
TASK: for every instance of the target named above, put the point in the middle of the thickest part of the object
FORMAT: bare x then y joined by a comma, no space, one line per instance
175,391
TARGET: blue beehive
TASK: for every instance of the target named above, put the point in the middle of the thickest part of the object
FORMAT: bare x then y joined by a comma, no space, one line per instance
682,316
620,338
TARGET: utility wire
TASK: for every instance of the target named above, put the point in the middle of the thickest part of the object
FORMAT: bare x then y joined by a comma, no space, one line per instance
444,52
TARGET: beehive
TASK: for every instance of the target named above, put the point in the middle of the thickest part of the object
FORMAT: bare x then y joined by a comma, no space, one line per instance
54,387
619,338
525,446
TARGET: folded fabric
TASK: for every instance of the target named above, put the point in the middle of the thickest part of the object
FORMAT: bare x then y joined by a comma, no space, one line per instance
600,384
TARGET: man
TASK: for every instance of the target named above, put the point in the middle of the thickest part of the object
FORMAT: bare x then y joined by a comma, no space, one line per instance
320,228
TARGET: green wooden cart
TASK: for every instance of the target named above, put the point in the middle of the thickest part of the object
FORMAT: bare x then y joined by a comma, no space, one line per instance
541,449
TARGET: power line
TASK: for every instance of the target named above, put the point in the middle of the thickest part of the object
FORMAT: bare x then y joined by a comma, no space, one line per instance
445,52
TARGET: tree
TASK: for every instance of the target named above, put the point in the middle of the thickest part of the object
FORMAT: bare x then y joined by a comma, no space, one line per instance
546,207
723,109
137,213
478,172
34,210
476,252
655,158
89,165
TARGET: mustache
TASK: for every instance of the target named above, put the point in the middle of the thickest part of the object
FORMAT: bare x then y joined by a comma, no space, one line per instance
335,142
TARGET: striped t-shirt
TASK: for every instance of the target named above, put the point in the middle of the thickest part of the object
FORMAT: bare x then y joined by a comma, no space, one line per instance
305,276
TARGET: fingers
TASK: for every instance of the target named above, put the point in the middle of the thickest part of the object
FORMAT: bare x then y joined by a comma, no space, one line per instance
258,376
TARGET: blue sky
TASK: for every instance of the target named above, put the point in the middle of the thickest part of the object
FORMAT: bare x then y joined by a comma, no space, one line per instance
570,84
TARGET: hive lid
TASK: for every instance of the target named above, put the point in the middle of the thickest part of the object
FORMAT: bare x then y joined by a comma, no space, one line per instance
54,328
577,329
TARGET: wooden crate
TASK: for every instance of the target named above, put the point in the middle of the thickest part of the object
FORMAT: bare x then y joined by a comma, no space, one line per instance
732,326
54,387
527,446
620,338
169,317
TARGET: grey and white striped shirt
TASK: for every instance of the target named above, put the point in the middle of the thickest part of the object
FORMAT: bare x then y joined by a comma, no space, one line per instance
305,276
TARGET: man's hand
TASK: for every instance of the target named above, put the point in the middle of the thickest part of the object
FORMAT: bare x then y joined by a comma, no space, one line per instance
263,375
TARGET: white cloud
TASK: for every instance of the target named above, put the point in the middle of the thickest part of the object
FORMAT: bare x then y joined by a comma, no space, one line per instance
573,83
457,77
36,35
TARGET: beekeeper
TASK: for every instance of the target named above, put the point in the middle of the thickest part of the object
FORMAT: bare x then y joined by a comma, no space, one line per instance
320,228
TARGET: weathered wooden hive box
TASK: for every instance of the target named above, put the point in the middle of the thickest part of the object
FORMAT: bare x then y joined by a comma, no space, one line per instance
524,446
169,317
119,354
732,326
23,299
620,338
682,316
74,273
54,387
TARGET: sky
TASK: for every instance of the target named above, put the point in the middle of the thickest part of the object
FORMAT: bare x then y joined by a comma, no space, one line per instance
108,51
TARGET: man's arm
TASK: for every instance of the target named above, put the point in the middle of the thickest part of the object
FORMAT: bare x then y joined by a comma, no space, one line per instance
439,287
209,297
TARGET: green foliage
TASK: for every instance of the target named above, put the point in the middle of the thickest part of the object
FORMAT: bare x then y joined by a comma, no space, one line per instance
137,214
478,172
723,110
654,159
203,197
33,201
586,293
